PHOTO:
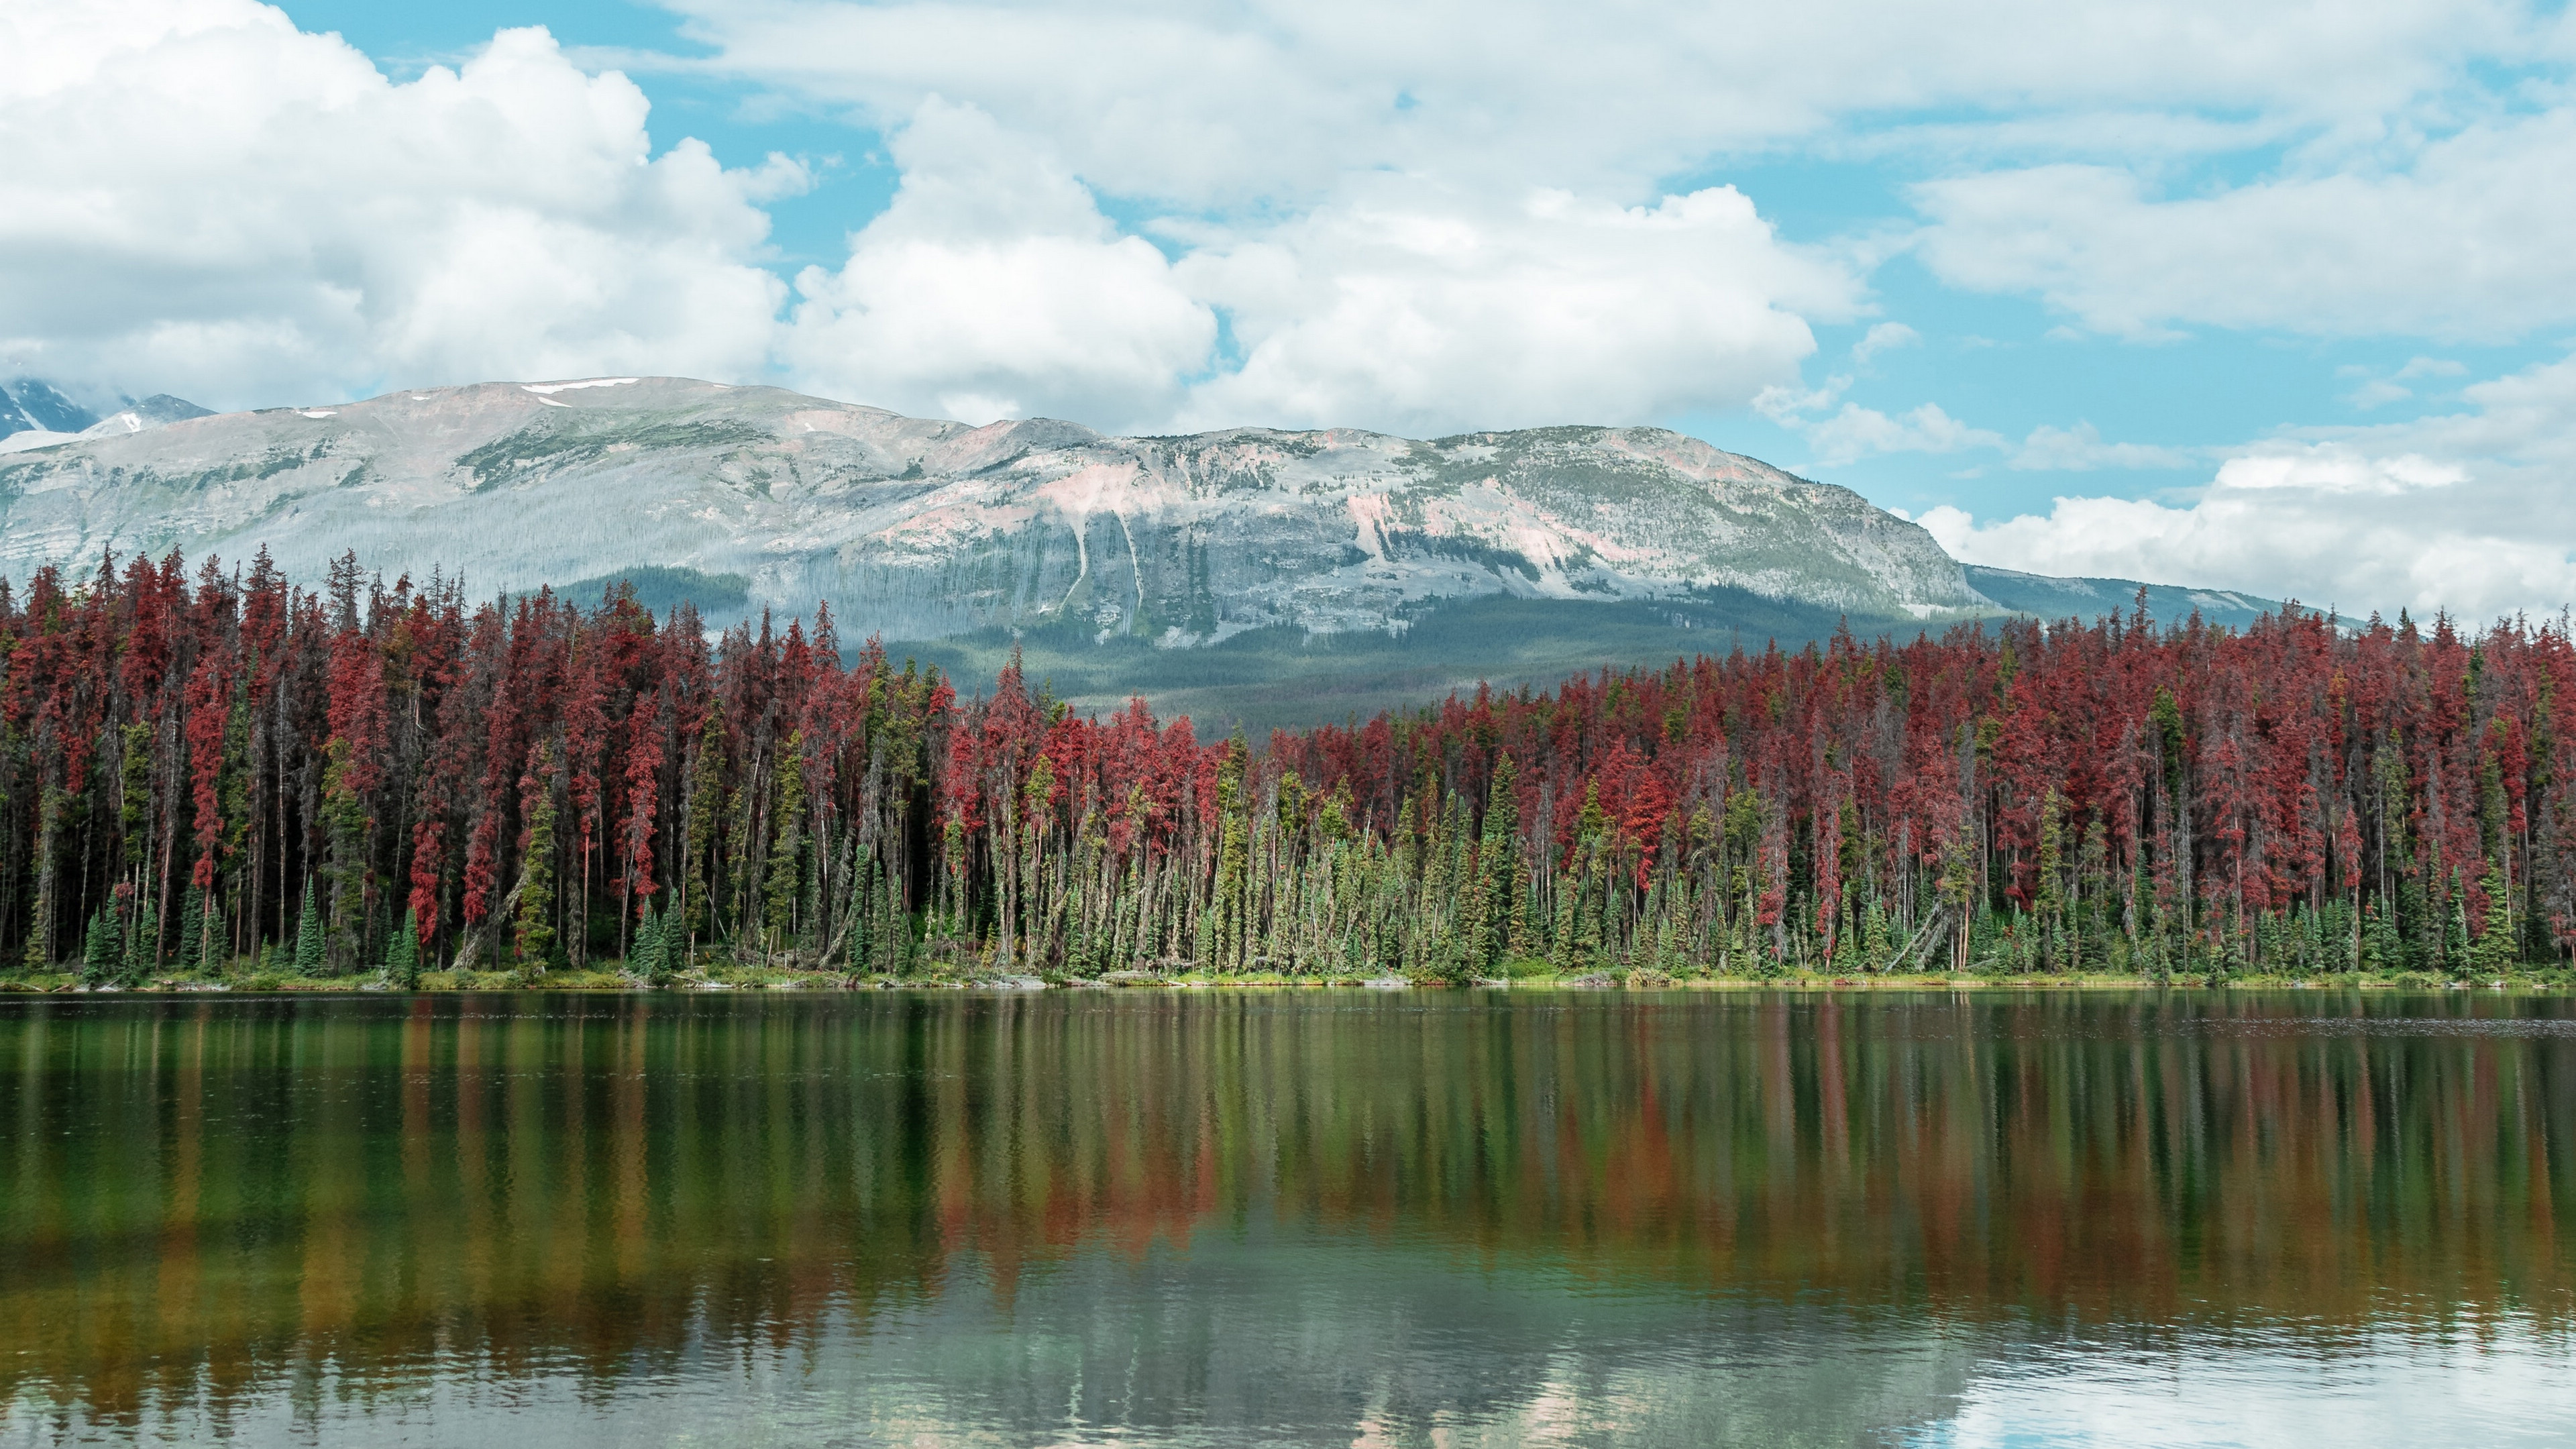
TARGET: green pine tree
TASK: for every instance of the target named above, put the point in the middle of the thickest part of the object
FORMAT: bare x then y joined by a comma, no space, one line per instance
1505,909
402,957
142,943
865,904
102,953
2455,935
209,941
646,958
533,935
308,936
192,930
2048,908
784,882
699,868
2493,952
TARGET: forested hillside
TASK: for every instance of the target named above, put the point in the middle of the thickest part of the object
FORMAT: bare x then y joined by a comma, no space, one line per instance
210,773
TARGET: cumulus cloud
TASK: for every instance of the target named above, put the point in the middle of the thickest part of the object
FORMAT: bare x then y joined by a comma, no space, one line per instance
1405,306
1417,218
1857,432
206,200
2467,511
1882,337
993,287
2470,237
1215,105
2080,449
1853,433
199,195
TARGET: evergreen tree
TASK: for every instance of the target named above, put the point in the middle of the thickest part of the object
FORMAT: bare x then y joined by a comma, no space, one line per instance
142,943
645,958
102,954
533,934
2455,935
784,881
1226,919
402,958
867,902
209,944
344,817
701,878
1876,946
1504,907
2494,952
191,951
2048,904
308,936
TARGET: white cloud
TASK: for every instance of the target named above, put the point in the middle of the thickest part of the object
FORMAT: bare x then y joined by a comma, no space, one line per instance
993,287
1218,105
2472,236
1421,218
201,196
2467,511
204,200
1857,432
1404,306
2080,449
1882,337
2432,367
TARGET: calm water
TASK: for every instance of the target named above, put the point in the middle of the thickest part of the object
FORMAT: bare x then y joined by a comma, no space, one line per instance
1298,1218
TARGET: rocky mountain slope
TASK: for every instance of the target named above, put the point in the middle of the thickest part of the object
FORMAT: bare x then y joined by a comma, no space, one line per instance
929,528
33,405
36,414
1198,548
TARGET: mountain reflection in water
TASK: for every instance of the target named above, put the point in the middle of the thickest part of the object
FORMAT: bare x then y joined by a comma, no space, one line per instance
1296,1217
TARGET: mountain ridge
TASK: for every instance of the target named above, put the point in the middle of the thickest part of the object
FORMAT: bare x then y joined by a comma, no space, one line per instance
1087,547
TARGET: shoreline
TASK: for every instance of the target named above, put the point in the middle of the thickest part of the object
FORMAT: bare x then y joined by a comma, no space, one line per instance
2555,983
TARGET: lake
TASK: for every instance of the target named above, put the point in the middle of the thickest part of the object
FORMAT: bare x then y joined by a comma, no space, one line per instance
1986,1217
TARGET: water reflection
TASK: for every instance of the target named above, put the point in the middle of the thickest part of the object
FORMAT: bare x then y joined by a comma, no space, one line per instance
1292,1217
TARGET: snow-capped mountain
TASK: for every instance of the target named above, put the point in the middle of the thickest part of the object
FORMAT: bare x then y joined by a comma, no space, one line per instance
36,414
33,405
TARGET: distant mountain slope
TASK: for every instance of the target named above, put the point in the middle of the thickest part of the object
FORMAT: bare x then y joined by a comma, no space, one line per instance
930,529
152,412
2055,598
1263,574
35,414
32,405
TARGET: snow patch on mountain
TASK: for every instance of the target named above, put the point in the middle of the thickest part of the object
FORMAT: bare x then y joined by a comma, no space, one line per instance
922,529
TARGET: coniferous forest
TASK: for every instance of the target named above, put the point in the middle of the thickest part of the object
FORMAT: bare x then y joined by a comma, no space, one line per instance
222,774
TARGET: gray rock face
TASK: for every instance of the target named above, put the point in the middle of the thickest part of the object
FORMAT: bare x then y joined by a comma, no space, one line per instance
36,414
921,530
32,405
152,412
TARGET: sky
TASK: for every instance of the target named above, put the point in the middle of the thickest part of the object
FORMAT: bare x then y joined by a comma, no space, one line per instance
2272,297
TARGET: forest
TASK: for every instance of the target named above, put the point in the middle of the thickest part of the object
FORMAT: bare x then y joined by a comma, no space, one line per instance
221,773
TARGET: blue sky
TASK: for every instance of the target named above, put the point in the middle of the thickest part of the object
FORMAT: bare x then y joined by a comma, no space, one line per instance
2254,296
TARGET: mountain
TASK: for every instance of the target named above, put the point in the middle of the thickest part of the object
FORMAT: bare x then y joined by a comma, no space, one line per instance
2047,597
36,414
154,411
1249,573
32,405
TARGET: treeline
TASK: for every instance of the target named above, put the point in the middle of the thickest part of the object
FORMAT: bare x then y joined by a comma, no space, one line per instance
225,771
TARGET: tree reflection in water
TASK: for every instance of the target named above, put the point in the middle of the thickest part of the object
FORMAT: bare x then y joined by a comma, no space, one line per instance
1298,1214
